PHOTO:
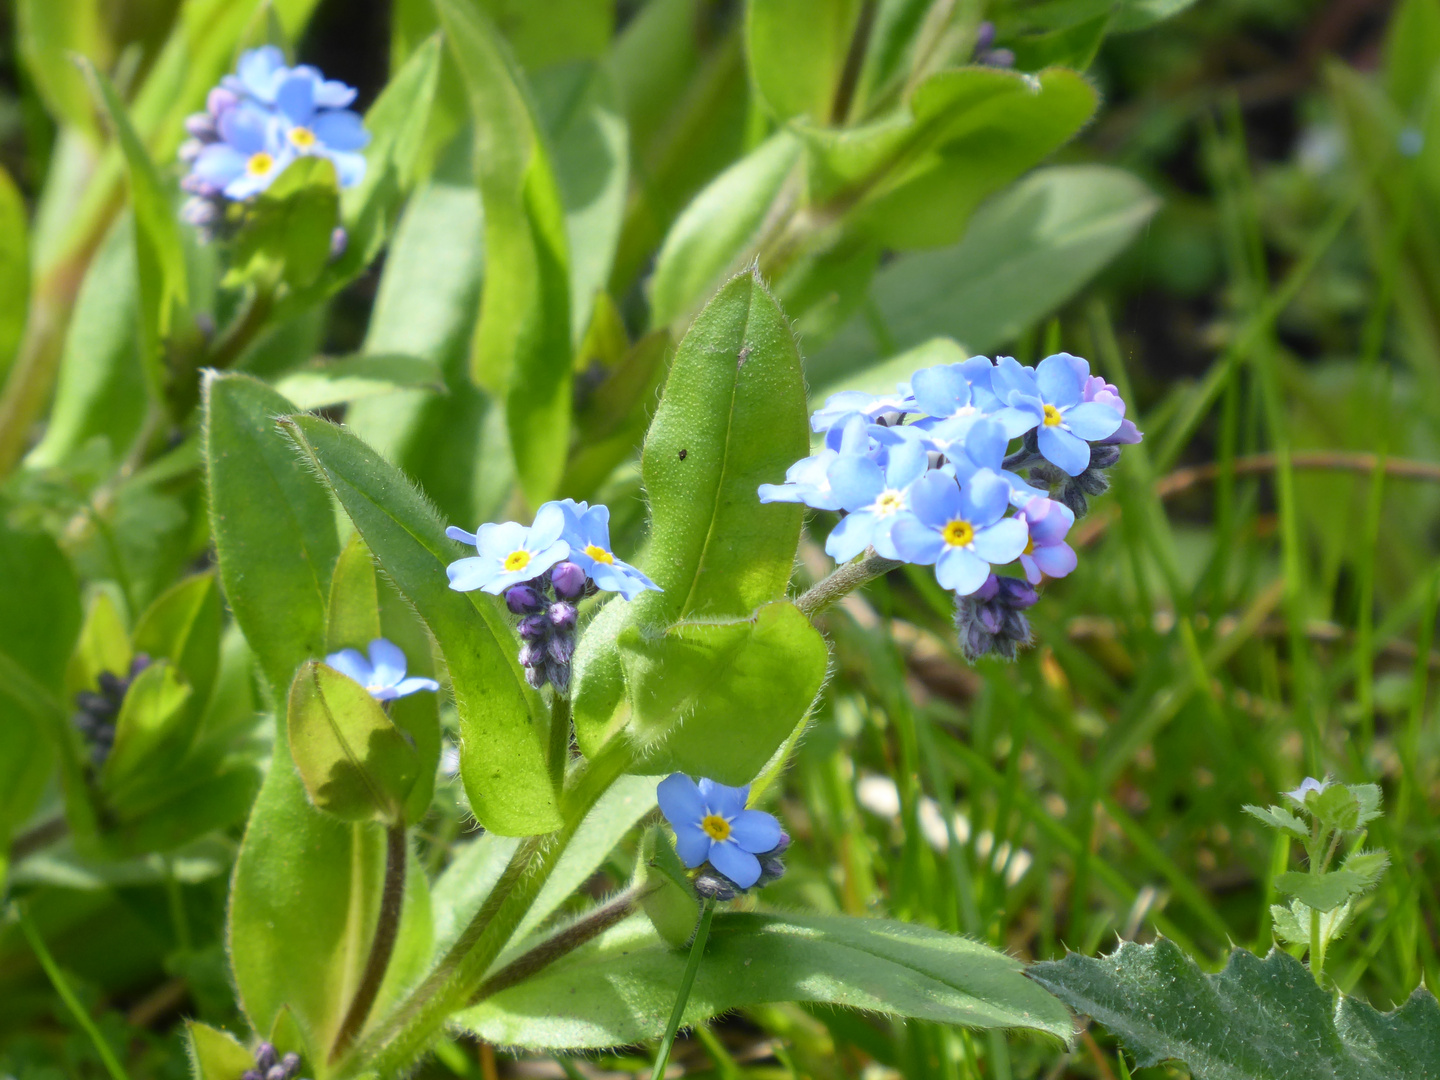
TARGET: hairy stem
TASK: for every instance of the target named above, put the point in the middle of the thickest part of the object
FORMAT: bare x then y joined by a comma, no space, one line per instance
843,581
387,929
586,928
559,739
692,966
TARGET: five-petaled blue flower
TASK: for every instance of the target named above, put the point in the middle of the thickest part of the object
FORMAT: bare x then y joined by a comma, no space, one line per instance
383,673
957,394
962,531
1051,400
309,125
872,407
711,824
509,553
1046,553
587,531
876,498
247,157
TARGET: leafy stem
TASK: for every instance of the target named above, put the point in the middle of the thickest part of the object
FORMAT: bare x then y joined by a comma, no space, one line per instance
682,997
387,928
846,579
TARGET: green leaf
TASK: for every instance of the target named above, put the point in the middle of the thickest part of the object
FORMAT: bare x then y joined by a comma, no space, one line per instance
620,989
553,33
14,270
501,719
688,685
353,620
1336,807
101,388
288,231
1277,817
150,730
303,906
325,383
355,763
1412,48
522,343
1368,799
667,895
159,256
41,601
1367,866
466,883
717,231
184,807
797,50
1255,1020
273,524
1031,250
48,34
215,1054
732,417
577,106
183,627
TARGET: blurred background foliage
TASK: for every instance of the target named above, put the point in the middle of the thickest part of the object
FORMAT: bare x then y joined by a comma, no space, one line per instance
1255,601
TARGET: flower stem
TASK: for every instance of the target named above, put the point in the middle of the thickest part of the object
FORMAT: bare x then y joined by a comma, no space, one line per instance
387,929
692,966
559,739
844,580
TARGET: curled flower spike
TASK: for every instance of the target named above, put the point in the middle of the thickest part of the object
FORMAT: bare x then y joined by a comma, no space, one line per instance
382,673
509,553
712,825
991,620
97,713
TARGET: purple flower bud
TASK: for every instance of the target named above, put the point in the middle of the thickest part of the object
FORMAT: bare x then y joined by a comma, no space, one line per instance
712,885
276,1072
202,126
265,1056
532,655
200,211
521,599
291,1063
560,648
1017,593
568,579
189,150
535,676
984,36
989,590
534,627
198,185
339,241
562,615
220,101
252,1074
139,664
991,617
559,676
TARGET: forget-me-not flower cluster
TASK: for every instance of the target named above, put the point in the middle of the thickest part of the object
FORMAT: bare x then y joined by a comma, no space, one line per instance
928,476
542,570
255,124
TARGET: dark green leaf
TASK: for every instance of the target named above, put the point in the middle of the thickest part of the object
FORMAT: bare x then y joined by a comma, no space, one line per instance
273,524
355,763
339,382
1255,1020
732,417
687,686
1028,252
797,50
502,721
621,988
715,233
522,343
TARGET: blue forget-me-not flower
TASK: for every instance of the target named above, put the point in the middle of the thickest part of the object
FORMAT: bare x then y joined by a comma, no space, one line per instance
960,529
508,553
587,531
382,673
875,496
712,825
1051,401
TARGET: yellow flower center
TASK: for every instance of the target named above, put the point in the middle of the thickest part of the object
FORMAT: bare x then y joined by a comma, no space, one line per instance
716,827
958,533
599,554
1029,547
302,138
259,164
889,502
517,560
1052,416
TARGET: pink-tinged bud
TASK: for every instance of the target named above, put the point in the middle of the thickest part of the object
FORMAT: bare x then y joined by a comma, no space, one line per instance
563,615
522,599
568,580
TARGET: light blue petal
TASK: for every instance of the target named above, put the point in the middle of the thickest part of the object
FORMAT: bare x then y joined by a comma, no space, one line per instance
295,98
257,70
544,560
548,527
692,844
1061,448
495,540
415,684
1010,377
460,534
961,571
476,572
736,864
722,799
349,168
908,459
935,499
984,498
388,661
341,129
755,831
851,536
1056,560
1057,381
915,542
1002,542
1091,420
680,800
218,164
986,443
350,662
856,481
333,94
1016,420
247,129
940,390
247,185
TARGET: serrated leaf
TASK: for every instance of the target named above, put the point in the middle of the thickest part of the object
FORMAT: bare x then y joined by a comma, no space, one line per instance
620,988
1322,892
1277,817
1255,1020
732,417
1368,799
522,347
355,762
273,524
1335,808
501,719
1368,866
688,685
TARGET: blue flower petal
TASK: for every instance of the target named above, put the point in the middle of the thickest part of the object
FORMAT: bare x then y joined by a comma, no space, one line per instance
1016,420
333,94
961,571
218,164
295,98
1091,420
388,661
413,685
692,844
736,864
940,390
680,800
1011,377
341,129
915,542
247,129
935,499
548,527
986,443
722,799
856,481
1061,448
349,168
851,536
984,498
1058,381
257,70
1002,542
466,575
495,540
460,534
352,663
755,831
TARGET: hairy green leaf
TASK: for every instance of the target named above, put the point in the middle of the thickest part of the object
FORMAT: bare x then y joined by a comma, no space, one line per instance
215,1054
338,382
522,343
1277,817
620,989
353,618
1255,1020
502,721
151,725
273,524
183,626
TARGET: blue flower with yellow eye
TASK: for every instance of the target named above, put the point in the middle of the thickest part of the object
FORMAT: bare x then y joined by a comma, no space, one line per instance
310,125
712,825
960,530
382,673
508,553
246,157
1051,401
587,531
875,496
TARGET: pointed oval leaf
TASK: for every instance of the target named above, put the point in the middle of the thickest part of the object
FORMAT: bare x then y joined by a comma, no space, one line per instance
150,731
215,1054
797,51
353,620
